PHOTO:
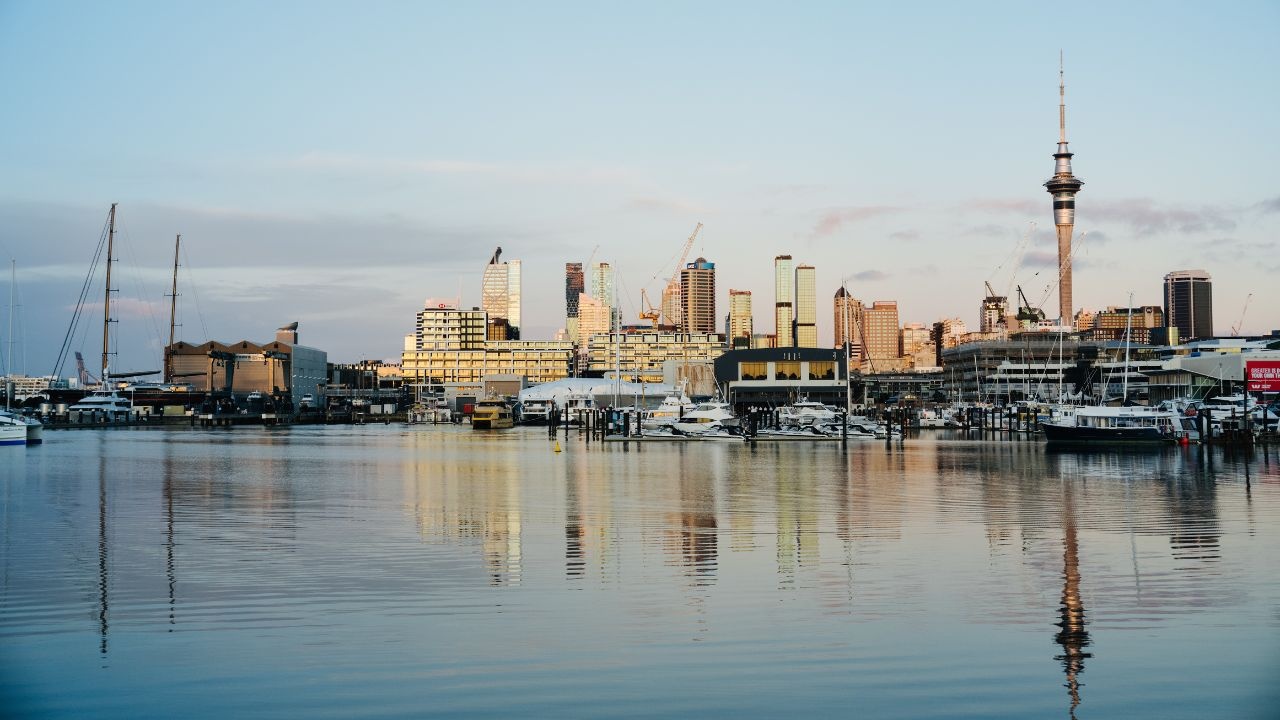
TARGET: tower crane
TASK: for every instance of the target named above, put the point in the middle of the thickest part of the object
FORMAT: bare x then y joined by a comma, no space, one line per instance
1025,311
674,282
647,310
1235,329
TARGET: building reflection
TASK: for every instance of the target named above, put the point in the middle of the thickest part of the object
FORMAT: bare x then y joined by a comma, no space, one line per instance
1073,634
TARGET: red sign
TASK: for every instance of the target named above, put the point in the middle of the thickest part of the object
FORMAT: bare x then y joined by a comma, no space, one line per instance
1262,375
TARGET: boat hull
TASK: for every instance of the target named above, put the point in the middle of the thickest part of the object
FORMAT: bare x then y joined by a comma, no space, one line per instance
1069,435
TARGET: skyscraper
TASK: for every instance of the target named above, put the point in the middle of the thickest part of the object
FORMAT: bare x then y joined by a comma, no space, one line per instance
500,293
848,324
1188,303
574,285
783,291
1063,186
698,296
739,330
602,289
880,330
806,307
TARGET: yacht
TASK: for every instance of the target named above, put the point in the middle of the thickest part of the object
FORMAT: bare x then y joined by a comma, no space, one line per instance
1132,425
12,431
672,409
701,416
491,415
112,405
805,413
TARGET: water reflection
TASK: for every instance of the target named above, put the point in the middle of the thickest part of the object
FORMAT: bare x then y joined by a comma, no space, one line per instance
1072,633
103,550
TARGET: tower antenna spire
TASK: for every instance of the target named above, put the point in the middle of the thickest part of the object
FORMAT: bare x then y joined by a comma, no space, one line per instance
1062,102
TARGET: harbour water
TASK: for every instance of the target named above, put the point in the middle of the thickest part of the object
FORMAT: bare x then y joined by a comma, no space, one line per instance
393,571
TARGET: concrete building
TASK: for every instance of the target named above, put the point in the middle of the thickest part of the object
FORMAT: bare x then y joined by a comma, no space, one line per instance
911,338
698,297
282,368
783,308
777,376
594,318
640,357
806,306
994,314
1112,324
880,331
440,325
739,330
1188,303
461,370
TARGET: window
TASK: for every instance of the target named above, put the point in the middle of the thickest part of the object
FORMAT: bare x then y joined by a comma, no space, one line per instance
822,370
789,370
753,371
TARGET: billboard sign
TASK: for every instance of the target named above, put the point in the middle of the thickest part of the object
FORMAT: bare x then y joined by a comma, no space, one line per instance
1262,375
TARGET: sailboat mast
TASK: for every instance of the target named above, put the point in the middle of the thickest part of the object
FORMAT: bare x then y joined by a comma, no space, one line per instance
13,283
106,302
173,312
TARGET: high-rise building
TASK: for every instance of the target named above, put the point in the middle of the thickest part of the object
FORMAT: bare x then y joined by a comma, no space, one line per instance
848,324
995,308
594,318
739,330
880,330
698,297
574,285
783,292
1188,303
911,338
1063,186
806,306
671,305
603,290
500,293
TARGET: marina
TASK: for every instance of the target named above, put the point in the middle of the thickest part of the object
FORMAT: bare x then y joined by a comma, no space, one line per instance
432,570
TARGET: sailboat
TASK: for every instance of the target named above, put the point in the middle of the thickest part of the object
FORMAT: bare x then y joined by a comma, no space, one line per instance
111,404
16,428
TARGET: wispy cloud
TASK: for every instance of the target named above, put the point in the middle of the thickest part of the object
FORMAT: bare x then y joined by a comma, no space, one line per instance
1147,217
1269,206
870,276
905,235
833,219
664,205
350,163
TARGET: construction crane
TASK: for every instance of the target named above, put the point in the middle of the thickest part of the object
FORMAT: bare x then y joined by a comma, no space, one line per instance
1026,312
673,283
647,310
1235,329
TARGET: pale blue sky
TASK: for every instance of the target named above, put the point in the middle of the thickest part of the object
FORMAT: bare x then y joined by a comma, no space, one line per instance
336,164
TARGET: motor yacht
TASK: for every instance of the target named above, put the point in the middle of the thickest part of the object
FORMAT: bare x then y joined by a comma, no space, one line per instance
1130,425
697,419
805,413
491,415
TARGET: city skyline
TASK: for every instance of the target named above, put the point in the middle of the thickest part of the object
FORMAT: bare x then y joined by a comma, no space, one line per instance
338,175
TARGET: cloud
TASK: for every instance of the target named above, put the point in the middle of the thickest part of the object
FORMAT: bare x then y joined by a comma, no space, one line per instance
834,219
1145,217
1012,205
870,276
989,230
905,235
1269,206
349,163
661,205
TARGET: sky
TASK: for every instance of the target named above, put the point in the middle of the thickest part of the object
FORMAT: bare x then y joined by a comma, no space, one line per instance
337,164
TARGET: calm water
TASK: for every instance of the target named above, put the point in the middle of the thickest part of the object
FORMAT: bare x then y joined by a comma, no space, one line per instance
384,571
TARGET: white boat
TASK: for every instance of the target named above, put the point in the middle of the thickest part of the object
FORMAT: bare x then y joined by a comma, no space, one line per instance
673,408
699,418
932,419
716,431
34,428
12,432
808,432
805,413
111,405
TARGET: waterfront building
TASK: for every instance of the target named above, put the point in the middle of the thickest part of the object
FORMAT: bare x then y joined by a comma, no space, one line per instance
1063,186
778,376
441,325
1188,303
641,356
500,292
880,332
26,386
281,368
806,306
848,325
535,360
783,291
698,297
738,329
574,285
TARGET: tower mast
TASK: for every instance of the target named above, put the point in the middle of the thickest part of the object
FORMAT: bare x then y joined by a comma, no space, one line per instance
1063,186
173,312
106,302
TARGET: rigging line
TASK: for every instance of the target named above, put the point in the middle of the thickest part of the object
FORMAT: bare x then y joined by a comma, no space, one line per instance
195,291
138,286
79,309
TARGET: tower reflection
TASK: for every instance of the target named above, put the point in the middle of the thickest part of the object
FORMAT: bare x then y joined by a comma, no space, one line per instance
1072,633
